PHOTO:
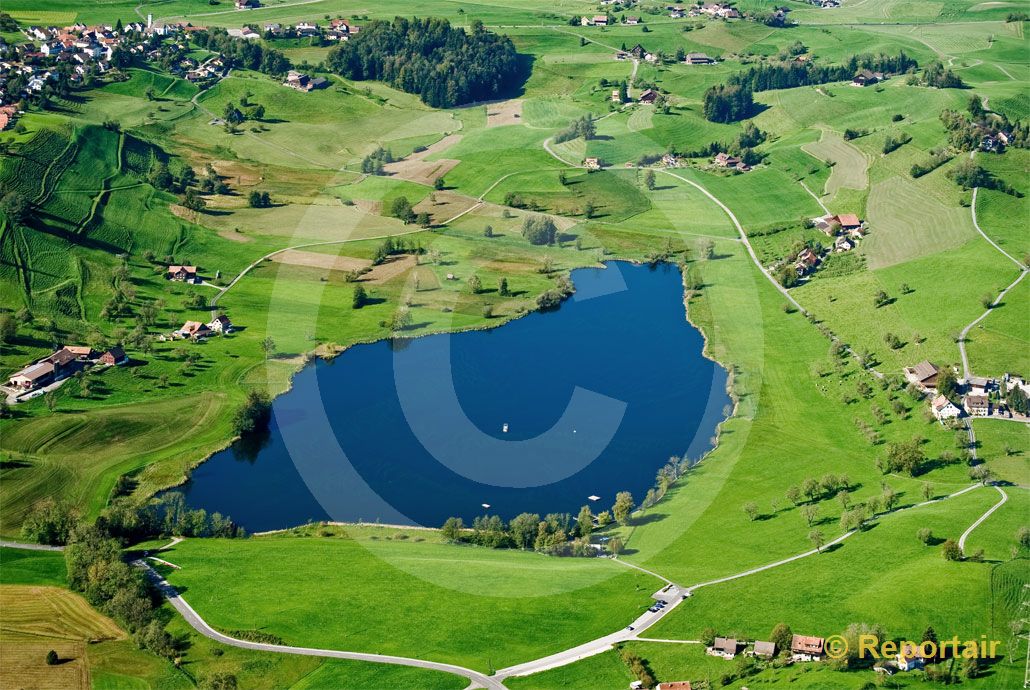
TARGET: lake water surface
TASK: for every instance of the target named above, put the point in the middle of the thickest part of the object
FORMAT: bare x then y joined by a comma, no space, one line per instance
596,397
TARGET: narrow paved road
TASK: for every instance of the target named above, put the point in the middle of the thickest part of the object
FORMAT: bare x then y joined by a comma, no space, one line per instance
999,504
647,620
966,369
200,625
743,237
29,547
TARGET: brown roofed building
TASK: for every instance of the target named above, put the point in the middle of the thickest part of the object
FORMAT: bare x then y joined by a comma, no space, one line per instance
81,352
766,650
194,330
978,405
61,359
221,324
32,376
114,357
674,685
725,647
806,648
724,160
923,374
184,273
648,96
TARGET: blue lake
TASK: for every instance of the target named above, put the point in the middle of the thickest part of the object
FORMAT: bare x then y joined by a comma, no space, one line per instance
596,397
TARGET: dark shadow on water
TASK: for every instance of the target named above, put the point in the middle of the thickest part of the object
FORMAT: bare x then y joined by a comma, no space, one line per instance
250,445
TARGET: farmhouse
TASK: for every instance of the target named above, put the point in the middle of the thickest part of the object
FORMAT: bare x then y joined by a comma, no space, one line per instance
54,367
766,650
114,357
843,244
221,324
725,647
806,261
302,82
806,648
850,224
923,375
944,408
186,274
724,160
910,658
82,353
592,163
698,59
977,405
247,4
616,98
632,21
648,96
866,77
978,385
194,330
32,376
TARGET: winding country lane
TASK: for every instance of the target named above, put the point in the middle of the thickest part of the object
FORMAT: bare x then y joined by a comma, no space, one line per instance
966,370
675,595
990,511
476,678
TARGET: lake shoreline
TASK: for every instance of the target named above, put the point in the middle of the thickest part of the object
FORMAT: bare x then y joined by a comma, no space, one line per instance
329,352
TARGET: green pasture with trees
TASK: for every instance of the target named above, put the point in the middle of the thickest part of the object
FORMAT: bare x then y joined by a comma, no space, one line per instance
451,190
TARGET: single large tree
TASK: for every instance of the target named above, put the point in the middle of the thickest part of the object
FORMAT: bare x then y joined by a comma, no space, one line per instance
585,521
623,507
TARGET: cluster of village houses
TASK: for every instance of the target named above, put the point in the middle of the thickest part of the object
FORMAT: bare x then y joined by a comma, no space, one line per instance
84,47
845,229
976,393
336,30
803,648
70,359
807,648
716,10
90,49
195,330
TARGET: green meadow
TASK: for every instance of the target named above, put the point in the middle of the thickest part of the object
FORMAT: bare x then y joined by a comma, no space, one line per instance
87,267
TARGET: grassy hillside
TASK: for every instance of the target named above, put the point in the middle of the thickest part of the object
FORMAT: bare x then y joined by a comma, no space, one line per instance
86,267
458,604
